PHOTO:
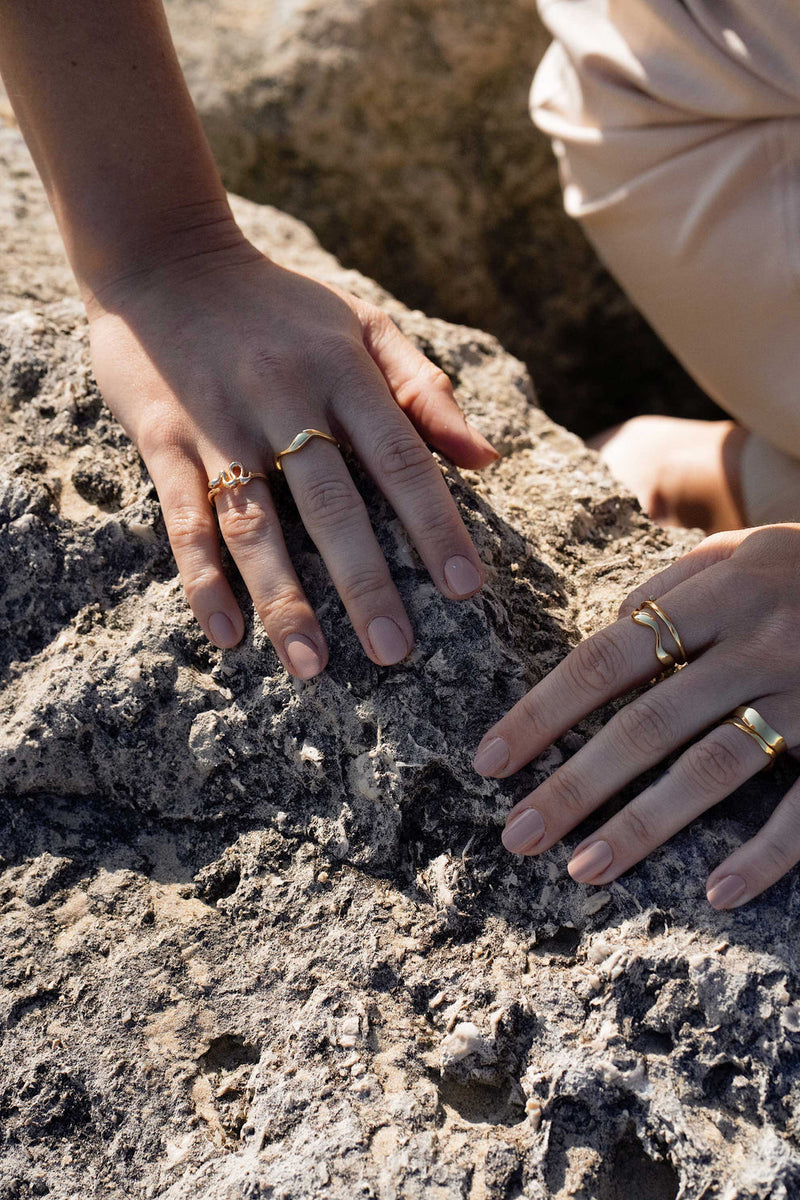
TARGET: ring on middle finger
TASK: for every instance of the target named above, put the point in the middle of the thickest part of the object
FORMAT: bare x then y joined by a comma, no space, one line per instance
302,439
650,613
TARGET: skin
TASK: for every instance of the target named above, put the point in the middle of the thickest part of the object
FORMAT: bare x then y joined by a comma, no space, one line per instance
209,352
682,472
734,602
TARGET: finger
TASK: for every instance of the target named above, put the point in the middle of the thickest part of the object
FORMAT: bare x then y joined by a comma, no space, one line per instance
336,518
709,771
637,737
181,485
249,524
765,858
608,664
410,478
424,392
714,549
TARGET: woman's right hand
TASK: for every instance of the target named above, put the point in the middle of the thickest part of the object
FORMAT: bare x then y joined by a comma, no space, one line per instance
224,356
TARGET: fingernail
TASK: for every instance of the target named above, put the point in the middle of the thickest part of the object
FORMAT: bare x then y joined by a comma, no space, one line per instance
462,577
222,631
481,441
590,862
388,641
523,831
492,757
725,893
303,656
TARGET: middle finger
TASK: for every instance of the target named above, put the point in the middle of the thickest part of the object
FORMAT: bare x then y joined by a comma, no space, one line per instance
336,518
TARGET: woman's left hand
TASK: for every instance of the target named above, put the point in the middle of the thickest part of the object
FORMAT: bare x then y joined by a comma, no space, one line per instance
735,602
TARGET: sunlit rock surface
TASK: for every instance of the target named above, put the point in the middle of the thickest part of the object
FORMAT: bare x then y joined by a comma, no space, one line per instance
259,938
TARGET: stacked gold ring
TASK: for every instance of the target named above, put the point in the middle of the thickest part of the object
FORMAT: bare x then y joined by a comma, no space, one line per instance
649,613
753,724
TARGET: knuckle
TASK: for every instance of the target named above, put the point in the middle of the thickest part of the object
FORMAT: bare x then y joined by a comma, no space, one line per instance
644,726
567,794
439,522
198,582
638,827
776,854
282,609
329,502
596,666
187,526
404,457
160,436
711,765
534,717
426,379
364,583
244,521
378,324
344,357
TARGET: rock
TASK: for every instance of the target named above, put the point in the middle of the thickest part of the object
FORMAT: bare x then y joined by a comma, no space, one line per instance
240,917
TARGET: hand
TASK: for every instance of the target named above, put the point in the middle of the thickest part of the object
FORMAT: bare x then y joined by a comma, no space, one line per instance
224,356
735,603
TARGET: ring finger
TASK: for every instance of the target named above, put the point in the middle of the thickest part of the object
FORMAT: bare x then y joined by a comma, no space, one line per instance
249,524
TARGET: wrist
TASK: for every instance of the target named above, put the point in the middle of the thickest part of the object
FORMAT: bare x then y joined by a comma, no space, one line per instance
173,241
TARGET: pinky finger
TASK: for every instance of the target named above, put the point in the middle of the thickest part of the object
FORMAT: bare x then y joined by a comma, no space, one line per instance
761,861
194,538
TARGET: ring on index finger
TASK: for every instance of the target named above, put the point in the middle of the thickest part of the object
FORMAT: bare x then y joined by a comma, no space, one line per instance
650,613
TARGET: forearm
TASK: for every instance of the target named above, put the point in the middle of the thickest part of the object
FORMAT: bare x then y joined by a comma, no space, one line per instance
103,105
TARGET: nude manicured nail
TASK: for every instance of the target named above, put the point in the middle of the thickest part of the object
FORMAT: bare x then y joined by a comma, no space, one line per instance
727,891
303,656
523,831
462,577
388,641
590,861
222,631
492,757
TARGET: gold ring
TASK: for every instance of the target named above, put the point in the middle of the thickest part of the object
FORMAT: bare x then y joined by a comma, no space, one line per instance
302,439
669,663
233,476
753,724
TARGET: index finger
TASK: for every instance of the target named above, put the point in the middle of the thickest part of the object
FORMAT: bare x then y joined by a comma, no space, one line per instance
606,665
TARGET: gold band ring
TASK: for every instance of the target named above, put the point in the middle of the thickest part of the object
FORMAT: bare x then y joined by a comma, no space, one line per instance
669,663
753,724
233,476
302,439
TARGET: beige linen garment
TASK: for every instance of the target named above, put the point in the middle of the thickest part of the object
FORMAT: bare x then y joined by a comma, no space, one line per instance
677,129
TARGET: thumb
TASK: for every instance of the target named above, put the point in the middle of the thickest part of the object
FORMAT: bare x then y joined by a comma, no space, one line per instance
425,394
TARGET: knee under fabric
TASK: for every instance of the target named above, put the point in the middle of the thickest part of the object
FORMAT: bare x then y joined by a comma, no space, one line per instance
677,130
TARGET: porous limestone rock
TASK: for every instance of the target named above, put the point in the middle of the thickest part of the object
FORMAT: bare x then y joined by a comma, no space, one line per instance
259,938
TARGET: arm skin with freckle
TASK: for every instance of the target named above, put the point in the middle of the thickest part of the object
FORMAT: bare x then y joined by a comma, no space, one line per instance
208,352
735,603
